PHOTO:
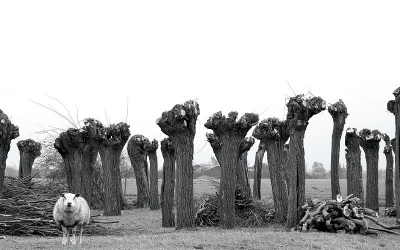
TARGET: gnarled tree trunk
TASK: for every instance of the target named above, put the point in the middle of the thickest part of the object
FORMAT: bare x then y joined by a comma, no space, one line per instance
168,184
29,150
352,141
370,143
8,132
225,141
151,151
137,154
242,172
116,135
179,124
300,110
339,113
389,194
258,170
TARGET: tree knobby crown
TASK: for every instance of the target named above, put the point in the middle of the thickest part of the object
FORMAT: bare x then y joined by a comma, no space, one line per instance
30,146
271,129
370,138
223,125
302,108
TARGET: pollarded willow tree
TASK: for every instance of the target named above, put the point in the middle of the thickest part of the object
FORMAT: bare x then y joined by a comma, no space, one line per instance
137,153
354,168
225,142
242,172
369,141
179,124
339,113
300,110
79,149
29,150
258,170
168,183
393,106
8,132
273,133
151,151
113,141
389,191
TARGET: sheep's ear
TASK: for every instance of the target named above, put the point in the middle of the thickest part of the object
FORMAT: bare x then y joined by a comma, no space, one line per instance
62,195
77,195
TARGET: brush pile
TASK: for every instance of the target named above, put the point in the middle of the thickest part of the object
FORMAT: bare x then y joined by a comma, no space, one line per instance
340,215
248,212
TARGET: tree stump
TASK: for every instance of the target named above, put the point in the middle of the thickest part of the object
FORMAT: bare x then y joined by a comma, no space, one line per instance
369,141
179,124
29,150
168,183
137,153
225,142
8,132
339,113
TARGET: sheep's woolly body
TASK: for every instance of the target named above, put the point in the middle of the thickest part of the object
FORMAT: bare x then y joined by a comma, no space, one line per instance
69,217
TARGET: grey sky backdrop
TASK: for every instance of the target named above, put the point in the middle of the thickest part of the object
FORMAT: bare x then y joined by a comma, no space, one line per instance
229,55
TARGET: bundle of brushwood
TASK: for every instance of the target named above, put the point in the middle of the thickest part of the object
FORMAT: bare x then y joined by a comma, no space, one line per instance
390,211
342,214
27,210
248,212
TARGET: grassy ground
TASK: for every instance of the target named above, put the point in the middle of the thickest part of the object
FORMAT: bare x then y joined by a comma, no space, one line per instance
141,229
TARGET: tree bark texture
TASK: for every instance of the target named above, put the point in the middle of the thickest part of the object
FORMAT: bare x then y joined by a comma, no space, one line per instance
389,190
137,154
8,132
273,133
168,184
352,142
115,137
79,149
370,143
349,178
258,170
179,124
339,113
29,150
300,110
394,107
151,150
242,172
226,144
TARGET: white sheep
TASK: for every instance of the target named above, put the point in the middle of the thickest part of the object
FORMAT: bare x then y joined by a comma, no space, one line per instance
71,211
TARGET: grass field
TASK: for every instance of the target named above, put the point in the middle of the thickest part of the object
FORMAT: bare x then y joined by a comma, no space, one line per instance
141,229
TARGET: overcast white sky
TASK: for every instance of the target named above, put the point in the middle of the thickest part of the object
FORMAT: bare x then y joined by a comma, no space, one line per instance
229,55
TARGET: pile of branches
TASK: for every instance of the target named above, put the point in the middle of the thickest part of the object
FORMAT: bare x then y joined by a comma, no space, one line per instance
248,212
340,215
28,209
390,212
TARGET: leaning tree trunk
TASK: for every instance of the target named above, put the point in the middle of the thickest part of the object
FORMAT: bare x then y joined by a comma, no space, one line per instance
29,150
110,151
225,142
339,113
370,143
300,110
394,107
8,132
352,141
258,170
389,195
168,184
136,151
272,132
151,150
242,172
179,124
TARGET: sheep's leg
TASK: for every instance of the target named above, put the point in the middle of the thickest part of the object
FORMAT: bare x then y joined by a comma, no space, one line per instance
73,235
80,234
65,233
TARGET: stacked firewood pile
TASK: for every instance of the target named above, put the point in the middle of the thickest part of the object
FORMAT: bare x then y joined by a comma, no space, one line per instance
248,212
342,214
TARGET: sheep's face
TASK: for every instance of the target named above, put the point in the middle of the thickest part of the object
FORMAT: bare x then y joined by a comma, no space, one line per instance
69,201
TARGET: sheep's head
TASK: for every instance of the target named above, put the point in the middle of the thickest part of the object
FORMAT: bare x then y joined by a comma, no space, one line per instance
69,202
